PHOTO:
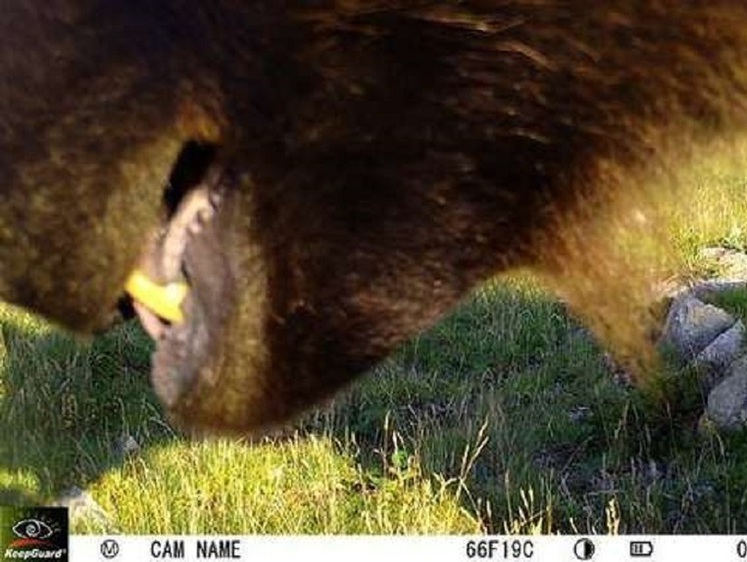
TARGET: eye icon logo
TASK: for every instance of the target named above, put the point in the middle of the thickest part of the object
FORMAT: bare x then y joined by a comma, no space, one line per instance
33,529
34,534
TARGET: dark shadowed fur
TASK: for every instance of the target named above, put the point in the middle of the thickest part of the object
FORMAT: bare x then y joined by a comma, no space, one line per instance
378,159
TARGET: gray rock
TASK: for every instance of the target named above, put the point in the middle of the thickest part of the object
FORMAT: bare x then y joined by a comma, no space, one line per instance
707,290
727,402
127,446
579,414
731,263
703,289
692,325
721,353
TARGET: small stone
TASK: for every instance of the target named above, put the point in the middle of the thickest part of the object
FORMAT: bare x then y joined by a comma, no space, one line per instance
727,402
692,325
127,446
731,263
721,353
579,414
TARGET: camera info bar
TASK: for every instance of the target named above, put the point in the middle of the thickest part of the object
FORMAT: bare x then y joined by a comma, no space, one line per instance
191,548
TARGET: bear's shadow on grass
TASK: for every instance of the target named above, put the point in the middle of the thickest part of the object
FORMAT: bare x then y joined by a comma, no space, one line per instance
67,406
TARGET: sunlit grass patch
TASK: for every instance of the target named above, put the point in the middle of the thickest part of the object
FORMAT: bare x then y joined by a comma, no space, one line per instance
298,486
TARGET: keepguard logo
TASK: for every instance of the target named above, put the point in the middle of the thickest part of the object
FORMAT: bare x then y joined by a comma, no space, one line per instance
30,534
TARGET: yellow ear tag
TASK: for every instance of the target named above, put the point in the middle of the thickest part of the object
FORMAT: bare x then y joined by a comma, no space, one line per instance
163,300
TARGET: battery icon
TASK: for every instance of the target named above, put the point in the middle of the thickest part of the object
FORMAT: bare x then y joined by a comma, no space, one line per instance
641,549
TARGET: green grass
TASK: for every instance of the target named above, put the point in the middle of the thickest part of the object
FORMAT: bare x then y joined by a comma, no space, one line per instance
502,418
304,485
